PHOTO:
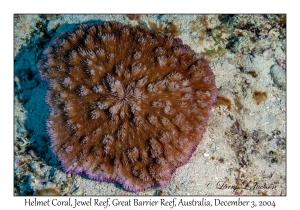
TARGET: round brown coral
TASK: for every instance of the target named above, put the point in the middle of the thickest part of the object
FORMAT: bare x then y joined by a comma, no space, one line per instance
127,105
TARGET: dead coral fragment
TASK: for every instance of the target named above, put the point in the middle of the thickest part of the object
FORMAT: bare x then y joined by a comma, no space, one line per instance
223,101
127,105
260,97
168,28
47,192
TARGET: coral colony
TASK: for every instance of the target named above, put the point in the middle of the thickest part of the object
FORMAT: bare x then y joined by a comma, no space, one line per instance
127,105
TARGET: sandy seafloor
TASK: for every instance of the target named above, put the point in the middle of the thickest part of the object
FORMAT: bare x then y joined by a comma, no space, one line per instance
243,151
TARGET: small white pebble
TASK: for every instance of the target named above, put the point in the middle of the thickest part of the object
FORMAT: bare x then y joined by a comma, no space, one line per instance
206,155
268,54
243,170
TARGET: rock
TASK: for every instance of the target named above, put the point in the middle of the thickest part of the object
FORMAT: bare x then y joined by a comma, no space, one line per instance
278,76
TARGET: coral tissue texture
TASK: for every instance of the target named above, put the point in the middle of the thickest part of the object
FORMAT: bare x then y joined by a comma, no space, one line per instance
127,105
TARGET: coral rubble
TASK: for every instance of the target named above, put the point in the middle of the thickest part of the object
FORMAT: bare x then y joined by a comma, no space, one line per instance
127,105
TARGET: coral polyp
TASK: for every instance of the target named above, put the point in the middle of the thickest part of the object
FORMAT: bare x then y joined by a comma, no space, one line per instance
127,105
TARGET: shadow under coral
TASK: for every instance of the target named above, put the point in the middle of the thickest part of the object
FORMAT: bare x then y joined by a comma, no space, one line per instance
30,91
